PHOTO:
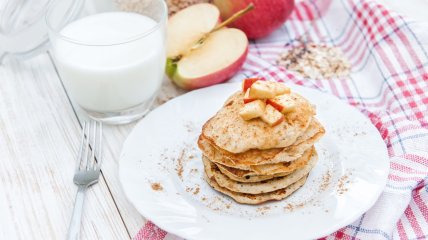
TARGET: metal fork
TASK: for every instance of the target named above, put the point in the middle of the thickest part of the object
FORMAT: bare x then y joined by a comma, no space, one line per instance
87,171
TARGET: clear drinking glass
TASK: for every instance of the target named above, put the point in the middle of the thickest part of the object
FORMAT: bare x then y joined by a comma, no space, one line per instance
112,56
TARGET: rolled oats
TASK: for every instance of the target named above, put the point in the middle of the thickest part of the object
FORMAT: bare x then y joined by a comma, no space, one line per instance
316,61
173,5
176,5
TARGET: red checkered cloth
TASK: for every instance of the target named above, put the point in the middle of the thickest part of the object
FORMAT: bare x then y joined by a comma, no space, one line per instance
389,84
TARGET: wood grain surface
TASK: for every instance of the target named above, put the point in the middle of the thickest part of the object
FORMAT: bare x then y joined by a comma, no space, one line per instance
39,137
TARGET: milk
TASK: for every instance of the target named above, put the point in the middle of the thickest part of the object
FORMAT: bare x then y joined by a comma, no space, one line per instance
124,73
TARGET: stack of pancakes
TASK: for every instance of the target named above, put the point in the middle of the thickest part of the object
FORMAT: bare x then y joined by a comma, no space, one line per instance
253,162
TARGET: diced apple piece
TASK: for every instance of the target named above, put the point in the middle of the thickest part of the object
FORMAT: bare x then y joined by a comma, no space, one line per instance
280,88
246,83
283,103
266,89
262,90
252,110
247,98
272,116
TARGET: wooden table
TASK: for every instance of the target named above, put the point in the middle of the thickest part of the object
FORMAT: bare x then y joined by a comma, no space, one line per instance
39,137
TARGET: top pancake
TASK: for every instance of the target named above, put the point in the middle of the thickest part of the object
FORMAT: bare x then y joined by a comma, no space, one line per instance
258,157
230,132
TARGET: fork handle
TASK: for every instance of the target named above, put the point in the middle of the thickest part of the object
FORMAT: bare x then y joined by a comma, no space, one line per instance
74,229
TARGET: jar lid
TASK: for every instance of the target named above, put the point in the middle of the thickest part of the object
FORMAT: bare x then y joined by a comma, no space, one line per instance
23,30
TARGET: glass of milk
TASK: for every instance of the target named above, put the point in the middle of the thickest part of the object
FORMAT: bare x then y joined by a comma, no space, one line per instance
111,55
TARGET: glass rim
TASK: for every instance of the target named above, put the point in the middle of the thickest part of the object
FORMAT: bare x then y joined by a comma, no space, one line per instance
57,33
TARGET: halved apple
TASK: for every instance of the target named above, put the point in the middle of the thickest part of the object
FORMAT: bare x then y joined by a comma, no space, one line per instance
188,26
253,110
199,54
272,116
267,89
283,103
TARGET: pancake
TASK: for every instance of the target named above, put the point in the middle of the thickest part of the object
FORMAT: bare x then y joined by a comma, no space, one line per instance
273,170
230,132
211,170
259,198
258,157
247,176
284,167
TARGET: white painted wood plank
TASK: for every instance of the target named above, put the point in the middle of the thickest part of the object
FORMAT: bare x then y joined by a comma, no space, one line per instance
39,135
113,141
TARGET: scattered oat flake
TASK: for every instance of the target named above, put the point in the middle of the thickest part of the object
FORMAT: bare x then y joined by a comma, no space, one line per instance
316,61
291,207
325,181
342,186
217,203
263,210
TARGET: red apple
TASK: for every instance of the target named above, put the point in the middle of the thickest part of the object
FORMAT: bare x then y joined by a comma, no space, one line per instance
200,52
267,15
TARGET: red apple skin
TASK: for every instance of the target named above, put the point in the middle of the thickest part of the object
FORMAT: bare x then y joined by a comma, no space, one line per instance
248,100
274,104
279,121
246,84
213,78
267,15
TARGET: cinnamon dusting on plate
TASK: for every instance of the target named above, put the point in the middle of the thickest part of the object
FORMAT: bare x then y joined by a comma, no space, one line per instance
179,167
156,186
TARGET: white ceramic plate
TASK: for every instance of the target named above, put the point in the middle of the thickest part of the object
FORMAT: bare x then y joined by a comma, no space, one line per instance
162,174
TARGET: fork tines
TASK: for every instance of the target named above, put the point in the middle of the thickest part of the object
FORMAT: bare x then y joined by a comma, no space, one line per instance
90,155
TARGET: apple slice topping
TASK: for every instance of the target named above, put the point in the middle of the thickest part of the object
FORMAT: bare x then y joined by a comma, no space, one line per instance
262,90
266,89
280,88
246,84
253,110
247,98
272,116
283,103
267,100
